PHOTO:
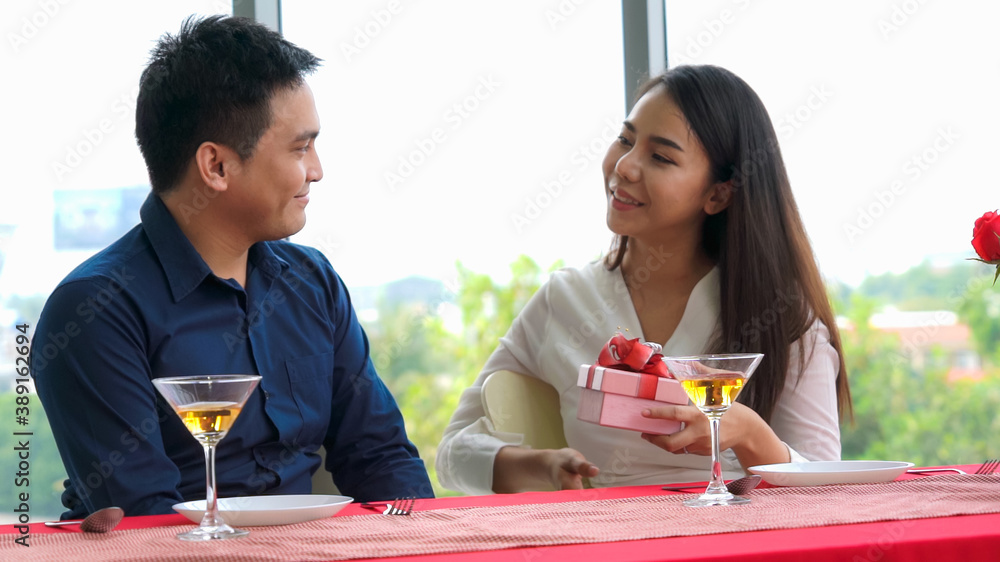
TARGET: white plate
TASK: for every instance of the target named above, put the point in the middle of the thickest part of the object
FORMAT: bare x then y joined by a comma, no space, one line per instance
820,473
268,510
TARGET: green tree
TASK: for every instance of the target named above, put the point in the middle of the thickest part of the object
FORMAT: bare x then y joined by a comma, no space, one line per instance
865,352
902,413
923,287
979,308
488,309
401,342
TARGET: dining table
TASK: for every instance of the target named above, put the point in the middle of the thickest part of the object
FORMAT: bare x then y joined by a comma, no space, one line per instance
930,516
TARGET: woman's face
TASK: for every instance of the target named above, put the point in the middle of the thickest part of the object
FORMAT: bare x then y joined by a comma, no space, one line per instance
657,176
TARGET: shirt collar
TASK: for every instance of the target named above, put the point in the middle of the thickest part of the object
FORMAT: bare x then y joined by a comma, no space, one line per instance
182,264
262,256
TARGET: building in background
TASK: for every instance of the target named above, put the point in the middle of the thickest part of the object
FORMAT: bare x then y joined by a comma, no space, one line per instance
933,339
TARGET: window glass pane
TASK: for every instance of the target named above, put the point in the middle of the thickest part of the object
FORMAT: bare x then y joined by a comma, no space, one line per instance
455,130
885,112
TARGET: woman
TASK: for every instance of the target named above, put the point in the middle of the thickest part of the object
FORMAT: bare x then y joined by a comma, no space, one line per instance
709,255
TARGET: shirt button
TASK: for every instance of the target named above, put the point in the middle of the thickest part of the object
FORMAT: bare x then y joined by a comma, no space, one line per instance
266,395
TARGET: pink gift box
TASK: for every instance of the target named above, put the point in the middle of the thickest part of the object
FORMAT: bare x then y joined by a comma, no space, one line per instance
616,398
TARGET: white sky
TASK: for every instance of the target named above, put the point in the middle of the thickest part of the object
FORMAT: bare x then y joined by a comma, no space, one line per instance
549,90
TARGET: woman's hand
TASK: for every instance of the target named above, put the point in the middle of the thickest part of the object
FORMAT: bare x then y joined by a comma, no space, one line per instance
740,429
517,469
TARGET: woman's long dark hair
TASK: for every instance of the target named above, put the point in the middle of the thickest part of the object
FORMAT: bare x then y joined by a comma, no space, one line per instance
771,289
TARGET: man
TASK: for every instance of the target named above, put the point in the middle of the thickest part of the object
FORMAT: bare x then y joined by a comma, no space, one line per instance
204,285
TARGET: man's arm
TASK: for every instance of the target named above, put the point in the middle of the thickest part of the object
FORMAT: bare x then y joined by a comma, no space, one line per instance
92,376
368,451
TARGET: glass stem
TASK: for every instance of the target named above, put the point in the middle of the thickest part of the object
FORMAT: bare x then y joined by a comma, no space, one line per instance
717,485
211,518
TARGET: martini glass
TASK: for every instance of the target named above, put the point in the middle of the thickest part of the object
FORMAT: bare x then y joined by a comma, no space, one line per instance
713,382
208,405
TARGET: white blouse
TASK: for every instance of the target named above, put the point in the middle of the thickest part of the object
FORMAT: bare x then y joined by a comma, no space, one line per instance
565,325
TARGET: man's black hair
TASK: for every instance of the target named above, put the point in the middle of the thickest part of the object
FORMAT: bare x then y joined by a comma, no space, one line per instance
213,81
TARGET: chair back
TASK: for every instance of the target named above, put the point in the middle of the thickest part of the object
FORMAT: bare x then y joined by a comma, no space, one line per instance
517,403
322,480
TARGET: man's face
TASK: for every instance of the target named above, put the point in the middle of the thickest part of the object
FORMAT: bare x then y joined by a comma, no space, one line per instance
270,190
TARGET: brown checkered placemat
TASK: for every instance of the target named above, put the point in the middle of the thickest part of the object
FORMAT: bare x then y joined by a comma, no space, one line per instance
492,528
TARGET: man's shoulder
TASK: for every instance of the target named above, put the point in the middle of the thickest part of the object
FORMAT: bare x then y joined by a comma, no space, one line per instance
305,266
296,253
99,283
303,260
125,258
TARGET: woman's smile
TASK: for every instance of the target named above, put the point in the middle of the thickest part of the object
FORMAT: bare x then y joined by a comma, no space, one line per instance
622,201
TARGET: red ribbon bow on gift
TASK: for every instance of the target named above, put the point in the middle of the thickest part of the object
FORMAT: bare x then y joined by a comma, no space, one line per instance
633,355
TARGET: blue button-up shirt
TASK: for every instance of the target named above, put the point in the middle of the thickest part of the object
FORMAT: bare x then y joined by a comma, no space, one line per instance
148,306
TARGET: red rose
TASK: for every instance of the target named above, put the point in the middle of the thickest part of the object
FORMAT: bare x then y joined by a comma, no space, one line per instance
984,236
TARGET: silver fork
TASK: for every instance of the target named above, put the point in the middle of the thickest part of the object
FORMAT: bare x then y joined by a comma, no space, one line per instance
400,506
988,467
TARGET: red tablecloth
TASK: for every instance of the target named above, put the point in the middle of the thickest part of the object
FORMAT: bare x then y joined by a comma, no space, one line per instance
972,537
